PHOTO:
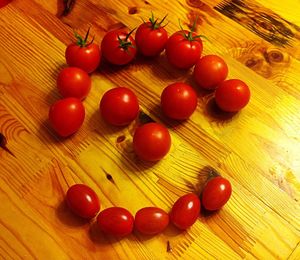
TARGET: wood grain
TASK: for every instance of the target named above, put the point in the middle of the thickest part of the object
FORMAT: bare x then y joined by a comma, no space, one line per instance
257,148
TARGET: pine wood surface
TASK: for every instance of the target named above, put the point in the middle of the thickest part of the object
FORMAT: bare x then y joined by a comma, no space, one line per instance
257,148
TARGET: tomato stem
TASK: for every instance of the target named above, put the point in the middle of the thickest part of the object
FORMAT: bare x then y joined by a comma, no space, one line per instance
154,22
83,42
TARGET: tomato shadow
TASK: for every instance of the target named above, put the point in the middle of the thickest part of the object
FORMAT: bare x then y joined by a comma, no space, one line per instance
213,111
201,92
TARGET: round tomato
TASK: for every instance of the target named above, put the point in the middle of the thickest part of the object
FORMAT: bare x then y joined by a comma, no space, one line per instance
151,37
151,141
118,47
210,71
216,193
74,82
82,54
115,221
185,211
83,201
184,49
151,220
4,2
119,106
232,95
66,116
178,101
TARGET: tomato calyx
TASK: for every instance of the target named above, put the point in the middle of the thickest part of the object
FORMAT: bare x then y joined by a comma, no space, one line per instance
125,44
83,42
189,35
154,22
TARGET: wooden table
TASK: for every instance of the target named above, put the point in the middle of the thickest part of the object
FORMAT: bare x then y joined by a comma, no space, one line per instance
257,149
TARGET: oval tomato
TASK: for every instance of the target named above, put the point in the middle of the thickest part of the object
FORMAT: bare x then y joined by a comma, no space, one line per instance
178,101
216,193
83,201
66,116
115,221
119,106
184,49
210,71
232,95
74,82
151,141
185,211
151,220
82,54
118,47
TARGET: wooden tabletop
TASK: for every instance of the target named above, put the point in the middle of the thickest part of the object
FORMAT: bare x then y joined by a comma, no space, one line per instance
257,149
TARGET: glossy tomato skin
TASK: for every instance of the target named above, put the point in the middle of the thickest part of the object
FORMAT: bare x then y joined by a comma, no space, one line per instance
4,2
150,42
86,57
216,193
83,201
210,71
232,95
66,116
115,221
74,82
151,142
151,220
113,51
119,106
178,101
181,52
185,211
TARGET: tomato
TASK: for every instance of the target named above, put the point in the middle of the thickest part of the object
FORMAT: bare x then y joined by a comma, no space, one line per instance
178,101
4,2
232,95
66,116
151,220
184,49
115,221
74,82
151,37
210,71
185,211
151,141
118,47
83,201
216,193
82,54
119,106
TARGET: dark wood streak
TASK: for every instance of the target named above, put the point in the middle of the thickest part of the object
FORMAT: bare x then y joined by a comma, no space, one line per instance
68,6
3,143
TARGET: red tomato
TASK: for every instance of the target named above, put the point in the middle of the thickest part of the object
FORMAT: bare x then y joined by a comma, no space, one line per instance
118,47
66,116
183,49
83,201
216,193
151,37
210,71
151,220
4,2
74,82
151,141
82,54
119,106
185,211
115,221
232,95
178,101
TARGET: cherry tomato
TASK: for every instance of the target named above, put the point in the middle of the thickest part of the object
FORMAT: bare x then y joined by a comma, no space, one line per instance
210,71
151,37
151,220
185,211
118,47
74,82
151,141
82,54
119,106
232,95
66,116
83,201
4,2
184,49
216,193
178,101
115,221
